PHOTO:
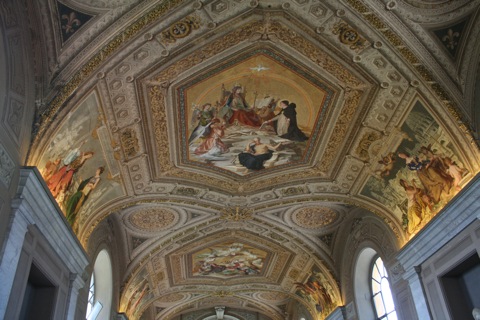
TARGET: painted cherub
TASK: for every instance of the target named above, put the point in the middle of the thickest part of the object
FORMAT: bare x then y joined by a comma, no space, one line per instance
387,163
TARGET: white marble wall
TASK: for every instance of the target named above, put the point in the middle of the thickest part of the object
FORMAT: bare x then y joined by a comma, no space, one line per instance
34,208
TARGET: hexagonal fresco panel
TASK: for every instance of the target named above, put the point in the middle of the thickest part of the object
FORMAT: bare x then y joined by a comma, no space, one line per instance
228,259
257,112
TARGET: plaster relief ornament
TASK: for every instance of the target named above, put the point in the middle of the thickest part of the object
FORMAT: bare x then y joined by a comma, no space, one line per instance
314,217
350,36
180,29
153,219
6,166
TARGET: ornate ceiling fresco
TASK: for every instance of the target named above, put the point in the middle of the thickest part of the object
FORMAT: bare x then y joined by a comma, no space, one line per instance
167,119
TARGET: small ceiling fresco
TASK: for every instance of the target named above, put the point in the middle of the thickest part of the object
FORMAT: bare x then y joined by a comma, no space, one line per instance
236,255
317,293
420,175
228,259
138,294
79,165
71,20
256,112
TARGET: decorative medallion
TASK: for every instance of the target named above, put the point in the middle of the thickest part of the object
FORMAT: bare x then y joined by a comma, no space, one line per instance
365,143
349,36
294,191
153,219
129,142
186,191
180,29
314,217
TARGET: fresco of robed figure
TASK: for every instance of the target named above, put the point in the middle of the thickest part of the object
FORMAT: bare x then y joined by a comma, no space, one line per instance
256,100
421,176
75,165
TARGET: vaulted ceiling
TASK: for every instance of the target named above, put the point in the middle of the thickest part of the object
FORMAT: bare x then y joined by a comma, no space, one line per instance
371,79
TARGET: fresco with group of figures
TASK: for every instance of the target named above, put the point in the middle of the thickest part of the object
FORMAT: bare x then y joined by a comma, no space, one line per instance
78,166
234,123
137,295
317,293
421,176
228,259
252,114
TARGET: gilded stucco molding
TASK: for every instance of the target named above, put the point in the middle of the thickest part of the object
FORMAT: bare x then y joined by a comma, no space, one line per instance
158,107
87,228
411,57
59,101
168,245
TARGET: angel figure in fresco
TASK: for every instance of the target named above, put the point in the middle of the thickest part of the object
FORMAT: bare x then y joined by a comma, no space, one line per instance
266,108
213,146
418,206
203,118
62,179
76,200
237,110
387,163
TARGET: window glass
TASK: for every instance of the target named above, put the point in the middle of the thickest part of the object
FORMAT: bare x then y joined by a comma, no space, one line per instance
381,293
91,295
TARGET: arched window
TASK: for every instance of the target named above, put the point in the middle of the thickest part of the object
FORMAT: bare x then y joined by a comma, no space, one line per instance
381,293
101,288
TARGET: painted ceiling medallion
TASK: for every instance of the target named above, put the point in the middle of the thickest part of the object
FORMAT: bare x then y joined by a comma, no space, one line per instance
153,219
314,217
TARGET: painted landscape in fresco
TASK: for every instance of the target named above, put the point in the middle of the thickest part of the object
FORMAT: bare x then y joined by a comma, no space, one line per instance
78,165
317,292
252,115
228,259
421,176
